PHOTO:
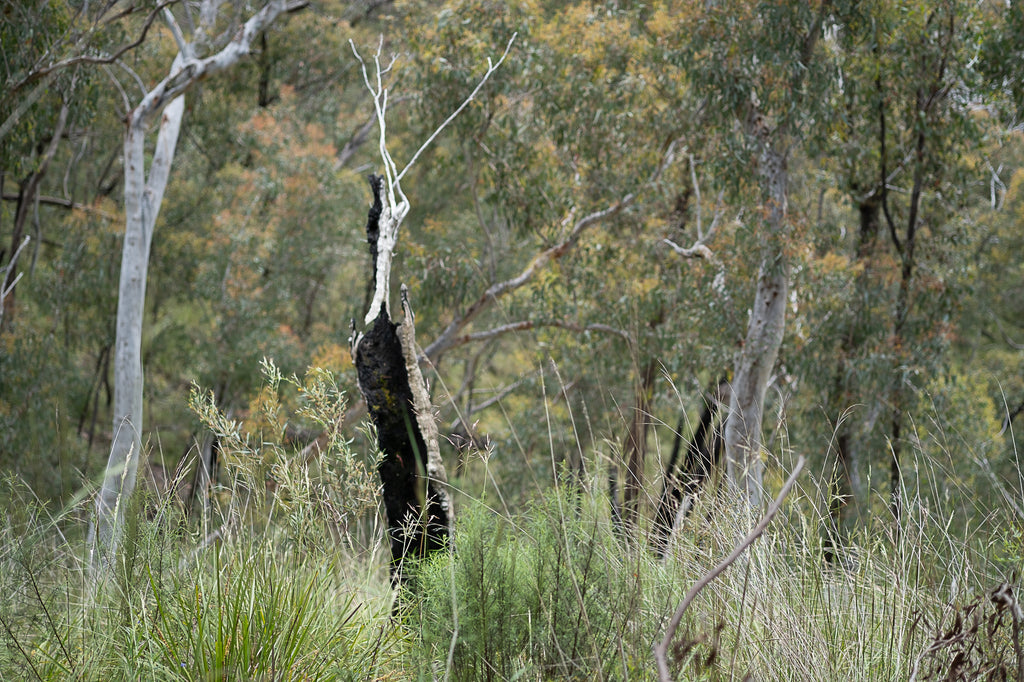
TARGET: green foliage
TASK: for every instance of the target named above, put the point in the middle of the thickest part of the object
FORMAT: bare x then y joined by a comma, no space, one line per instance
320,491
180,610
259,253
35,376
551,593
253,618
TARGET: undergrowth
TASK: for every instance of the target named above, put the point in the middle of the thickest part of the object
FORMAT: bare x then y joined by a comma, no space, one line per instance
554,590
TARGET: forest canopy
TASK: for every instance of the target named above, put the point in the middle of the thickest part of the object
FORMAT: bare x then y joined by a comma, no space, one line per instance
890,223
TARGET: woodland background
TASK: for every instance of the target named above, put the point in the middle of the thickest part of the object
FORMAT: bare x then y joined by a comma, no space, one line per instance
900,369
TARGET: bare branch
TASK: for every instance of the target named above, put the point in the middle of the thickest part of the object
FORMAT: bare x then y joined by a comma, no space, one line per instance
698,250
494,399
354,143
33,97
696,191
5,288
192,70
661,648
179,37
396,206
64,203
49,73
447,338
117,86
526,325
491,68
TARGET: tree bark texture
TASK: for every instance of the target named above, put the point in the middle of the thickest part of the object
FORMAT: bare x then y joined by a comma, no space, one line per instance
143,197
414,483
744,465
142,205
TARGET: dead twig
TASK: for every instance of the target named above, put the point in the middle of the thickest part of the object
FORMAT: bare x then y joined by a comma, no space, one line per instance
661,648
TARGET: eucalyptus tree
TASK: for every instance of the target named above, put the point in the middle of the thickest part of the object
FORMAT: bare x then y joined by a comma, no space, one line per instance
206,51
917,83
561,196
758,77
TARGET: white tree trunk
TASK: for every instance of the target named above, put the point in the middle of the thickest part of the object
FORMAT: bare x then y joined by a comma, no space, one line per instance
142,198
744,465
142,201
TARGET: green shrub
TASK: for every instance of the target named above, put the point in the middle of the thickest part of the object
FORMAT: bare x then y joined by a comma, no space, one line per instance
551,593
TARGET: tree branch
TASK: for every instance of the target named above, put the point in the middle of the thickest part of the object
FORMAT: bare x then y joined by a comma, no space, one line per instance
525,325
396,207
661,648
491,68
192,69
447,339
882,160
5,288
698,250
48,73
1010,416
494,399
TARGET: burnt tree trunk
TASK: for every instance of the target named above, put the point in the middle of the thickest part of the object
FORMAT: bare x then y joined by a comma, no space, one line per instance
413,479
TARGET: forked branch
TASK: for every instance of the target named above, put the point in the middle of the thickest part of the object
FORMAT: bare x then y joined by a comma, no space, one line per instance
449,338
395,204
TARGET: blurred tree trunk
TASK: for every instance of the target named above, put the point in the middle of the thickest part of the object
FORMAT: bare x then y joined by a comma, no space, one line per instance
28,195
684,480
142,204
774,131
931,97
634,448
744,464
844,482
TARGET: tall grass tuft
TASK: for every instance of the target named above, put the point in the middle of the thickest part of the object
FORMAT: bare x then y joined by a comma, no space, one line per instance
551,593
276,591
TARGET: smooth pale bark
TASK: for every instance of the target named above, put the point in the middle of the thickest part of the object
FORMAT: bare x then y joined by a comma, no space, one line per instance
142,204
143,197
744,464
774,136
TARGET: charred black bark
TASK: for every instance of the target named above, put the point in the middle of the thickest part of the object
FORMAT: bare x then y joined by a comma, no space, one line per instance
413,482
703,453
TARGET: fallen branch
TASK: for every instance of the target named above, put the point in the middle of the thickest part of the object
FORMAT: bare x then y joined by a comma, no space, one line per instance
661,648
